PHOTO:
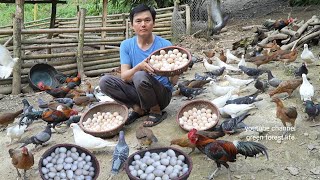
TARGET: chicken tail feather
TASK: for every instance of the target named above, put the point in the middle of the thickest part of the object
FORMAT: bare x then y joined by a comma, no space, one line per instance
250,149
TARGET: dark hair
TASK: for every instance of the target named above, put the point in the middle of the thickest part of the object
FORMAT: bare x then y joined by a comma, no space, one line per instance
141,8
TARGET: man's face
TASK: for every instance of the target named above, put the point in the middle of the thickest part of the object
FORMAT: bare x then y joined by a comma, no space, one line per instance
143,23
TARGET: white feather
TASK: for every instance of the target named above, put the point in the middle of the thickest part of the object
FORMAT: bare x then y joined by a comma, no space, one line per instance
6,62
230,57
307,55
306,89
235,110
208,66
15,132
242,62
221,101
222,90
237,82
222,64
89,141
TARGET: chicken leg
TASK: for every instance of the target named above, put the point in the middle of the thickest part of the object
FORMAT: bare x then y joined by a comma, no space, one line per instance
214,173
19,175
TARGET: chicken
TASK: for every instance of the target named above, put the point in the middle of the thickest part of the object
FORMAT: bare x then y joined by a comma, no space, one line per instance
89,141
313,110
6,63
62,78
273,81
303,69
270,47
120,154
278,24
249,99
145,136
237,82
83,101
286,86
53,117
21,159
89,90
183,142
252,71
40,138
222,57
231,58
209,53
285,114
307,55
306,89
15,132
8,118
59,92
225,151
263,59
289,57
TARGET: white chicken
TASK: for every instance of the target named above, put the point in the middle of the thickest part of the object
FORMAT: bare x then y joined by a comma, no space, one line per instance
306,89
237,82
230,57
222,90
242,62
89,141
15,132
306,55
209,67
6,62
235,110
223,64
221,101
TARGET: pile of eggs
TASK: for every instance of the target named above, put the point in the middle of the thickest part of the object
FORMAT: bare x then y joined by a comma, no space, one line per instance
200,119
103,121
67,164
163,165
168,61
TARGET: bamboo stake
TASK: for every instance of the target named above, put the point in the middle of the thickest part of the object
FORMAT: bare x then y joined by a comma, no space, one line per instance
188,20
104,20
17,36
99,71
81,43
52,21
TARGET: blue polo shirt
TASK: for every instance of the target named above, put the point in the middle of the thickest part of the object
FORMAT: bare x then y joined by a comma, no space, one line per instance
131,54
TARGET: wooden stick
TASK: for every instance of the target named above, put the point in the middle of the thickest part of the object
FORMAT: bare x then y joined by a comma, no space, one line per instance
273,37
248,28
304,27
288,31
315,125
300,40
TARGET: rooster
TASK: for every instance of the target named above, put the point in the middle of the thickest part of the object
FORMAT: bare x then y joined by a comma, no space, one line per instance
62,78
59,92
224,151
278,24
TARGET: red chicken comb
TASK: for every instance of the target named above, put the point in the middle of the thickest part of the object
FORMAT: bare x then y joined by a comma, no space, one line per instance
40,84
192,132
24,150
290,20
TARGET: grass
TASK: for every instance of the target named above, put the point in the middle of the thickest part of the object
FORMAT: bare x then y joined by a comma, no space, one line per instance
63,10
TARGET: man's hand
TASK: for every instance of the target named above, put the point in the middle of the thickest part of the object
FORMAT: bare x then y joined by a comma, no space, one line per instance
144,66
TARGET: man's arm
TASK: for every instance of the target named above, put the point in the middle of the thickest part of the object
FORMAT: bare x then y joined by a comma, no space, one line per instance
127,72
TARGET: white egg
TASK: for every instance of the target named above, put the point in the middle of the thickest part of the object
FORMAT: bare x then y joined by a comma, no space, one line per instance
208,111
184,55
162,52
191,117
179,54
175,51
214,117
194,109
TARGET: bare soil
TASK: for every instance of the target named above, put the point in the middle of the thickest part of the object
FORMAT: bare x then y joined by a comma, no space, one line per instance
296,158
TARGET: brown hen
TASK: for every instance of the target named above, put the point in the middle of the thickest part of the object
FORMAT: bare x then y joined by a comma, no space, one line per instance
222,57
286,86
8,118
21,159
145,136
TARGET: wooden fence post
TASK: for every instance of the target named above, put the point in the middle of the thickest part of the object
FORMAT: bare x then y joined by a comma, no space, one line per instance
17,27
104,21
81,43
188,20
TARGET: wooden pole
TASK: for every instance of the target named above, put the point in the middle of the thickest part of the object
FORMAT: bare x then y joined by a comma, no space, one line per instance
17,26
188,20
210,22
104,20
81,43
52,22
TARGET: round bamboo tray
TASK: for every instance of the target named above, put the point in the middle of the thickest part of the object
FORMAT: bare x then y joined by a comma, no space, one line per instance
199,104
95,162
105,107
158,150
172,72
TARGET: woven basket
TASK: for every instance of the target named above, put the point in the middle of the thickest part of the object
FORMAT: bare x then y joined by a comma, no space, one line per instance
176,71
158,150
95,162
105,107
199,104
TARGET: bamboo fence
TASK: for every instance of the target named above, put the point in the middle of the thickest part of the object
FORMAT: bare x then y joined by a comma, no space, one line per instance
75,43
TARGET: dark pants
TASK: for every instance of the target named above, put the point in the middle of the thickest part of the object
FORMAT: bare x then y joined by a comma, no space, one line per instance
144,90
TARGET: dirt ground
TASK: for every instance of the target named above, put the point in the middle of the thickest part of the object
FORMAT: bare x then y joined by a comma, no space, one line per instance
295,158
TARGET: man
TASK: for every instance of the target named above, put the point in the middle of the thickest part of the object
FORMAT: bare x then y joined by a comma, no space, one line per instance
138,87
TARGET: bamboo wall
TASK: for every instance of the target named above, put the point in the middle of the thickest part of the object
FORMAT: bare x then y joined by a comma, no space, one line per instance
74,45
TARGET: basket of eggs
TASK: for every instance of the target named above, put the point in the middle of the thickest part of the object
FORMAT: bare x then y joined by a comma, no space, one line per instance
159,163
68,161
170,61
198,114
104,120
